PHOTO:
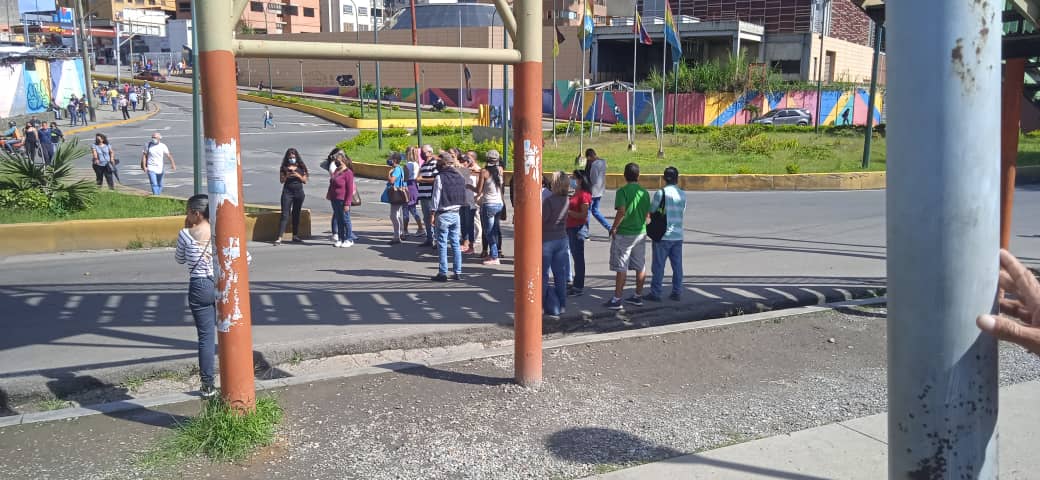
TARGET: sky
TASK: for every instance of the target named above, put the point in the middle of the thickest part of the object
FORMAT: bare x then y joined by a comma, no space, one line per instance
35,6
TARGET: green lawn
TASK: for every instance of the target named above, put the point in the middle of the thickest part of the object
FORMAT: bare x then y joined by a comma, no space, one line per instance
769,153
108,205
352,108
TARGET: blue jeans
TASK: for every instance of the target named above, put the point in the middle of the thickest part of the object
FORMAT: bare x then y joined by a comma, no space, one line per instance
555,258
201,299
155,179
670,250
448,232
577,247
340,220
468,215
426,204
594,211
492,226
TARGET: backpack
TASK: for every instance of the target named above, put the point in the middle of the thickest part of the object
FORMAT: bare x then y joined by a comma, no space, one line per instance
658,221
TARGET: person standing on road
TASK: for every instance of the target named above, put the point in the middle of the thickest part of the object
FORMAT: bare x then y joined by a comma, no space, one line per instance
468,212
449,196
103,155
489,191
341,190
669,248
124,106
113,98
628,237
32,141
195,250
133,97
396,179
597,170
152,162
427,175
411,173
81,109
46,142
293,175
268,117
578,229
554,245
72,110
56,135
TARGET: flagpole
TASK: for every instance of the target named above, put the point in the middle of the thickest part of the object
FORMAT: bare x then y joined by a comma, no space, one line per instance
675,71
664,80
556,51
462,75
581,92
637,28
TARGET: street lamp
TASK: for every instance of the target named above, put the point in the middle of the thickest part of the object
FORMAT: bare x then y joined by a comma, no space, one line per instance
357,32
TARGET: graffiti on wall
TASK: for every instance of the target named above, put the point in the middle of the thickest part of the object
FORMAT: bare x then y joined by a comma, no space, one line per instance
35,82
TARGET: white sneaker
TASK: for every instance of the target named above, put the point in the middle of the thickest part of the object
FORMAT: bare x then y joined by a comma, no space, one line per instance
347,244
337,244
333,237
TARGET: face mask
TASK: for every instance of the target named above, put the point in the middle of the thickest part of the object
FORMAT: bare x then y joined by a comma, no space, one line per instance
292,160
574,184
155,140
389,163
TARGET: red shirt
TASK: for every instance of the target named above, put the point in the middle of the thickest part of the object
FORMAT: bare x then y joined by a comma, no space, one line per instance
341,186
580,197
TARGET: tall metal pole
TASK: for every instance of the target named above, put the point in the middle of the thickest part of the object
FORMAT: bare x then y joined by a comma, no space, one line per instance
379,90
270,75
119,49
196,102
224,174
879,31
631,97
301,76
820,64
942,237
462,79
555,14
84,53
664,85
418,91
527,171
357,36
581,99
505,98
1011,114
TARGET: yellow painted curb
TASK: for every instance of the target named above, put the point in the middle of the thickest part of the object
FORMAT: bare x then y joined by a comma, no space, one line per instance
98,126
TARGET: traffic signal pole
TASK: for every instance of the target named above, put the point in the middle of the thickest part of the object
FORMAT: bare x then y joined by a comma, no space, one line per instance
224,173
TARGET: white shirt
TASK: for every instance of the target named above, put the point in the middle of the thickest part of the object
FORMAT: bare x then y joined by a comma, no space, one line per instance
156,153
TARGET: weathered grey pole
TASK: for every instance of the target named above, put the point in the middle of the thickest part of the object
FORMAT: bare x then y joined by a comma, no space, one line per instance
942,237
379,89
88,89
879,32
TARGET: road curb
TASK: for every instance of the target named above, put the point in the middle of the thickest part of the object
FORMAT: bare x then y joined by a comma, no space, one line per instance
578,329
116,123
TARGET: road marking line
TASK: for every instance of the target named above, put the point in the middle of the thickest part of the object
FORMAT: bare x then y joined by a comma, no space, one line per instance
820,298
782,293
744,293
705,293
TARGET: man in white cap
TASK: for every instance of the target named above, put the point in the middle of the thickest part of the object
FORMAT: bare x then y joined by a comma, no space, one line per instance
152,161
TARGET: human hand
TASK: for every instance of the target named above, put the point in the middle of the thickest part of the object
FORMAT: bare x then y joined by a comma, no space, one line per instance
1019,319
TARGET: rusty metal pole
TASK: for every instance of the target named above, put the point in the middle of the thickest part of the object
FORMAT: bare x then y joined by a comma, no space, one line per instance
527,167
1010,115
224,173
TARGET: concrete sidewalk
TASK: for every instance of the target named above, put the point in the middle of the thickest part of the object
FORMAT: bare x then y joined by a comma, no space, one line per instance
854,449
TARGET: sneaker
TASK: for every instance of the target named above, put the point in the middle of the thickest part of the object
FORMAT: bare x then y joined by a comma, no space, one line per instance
207,390
296,239
575,292
277,242
636,300
420,234
652,298
337,244
333,237
491,261
457,277
674,297
347,244
614,304
440,277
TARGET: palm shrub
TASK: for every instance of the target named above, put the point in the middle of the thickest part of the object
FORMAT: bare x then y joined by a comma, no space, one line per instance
25,179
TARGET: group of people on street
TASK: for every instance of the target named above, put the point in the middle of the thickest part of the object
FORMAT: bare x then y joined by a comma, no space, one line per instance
36,138
127,98
76,109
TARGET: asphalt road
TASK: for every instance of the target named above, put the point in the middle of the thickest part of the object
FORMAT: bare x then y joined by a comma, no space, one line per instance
85,314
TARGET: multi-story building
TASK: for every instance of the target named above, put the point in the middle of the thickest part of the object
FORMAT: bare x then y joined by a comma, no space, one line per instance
355,15
282,16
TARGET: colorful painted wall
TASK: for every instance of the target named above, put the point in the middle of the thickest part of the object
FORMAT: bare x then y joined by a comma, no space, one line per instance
35,82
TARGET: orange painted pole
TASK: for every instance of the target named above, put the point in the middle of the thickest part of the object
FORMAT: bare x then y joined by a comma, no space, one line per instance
527,168
223,178
1010,116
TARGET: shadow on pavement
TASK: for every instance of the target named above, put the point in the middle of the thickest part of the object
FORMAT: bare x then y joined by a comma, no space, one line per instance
604,446
455,377
114,396
5,405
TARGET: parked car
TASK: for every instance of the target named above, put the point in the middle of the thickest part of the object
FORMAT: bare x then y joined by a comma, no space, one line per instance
150,76
786,116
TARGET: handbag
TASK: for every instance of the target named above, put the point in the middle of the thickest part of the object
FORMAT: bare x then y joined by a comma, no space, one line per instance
658,221
355,200
397,195
502,216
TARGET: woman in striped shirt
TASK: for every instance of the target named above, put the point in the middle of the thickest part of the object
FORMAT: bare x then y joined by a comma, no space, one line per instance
194,249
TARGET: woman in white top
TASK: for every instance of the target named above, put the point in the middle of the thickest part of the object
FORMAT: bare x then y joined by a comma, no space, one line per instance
194,249
411,168
489,196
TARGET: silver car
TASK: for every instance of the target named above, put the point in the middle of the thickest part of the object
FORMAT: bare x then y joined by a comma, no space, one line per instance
786,116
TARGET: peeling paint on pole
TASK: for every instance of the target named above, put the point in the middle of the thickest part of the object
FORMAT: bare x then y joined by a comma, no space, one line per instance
532,161
222,172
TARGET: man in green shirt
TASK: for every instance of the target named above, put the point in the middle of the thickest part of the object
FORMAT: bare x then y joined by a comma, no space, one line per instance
628,237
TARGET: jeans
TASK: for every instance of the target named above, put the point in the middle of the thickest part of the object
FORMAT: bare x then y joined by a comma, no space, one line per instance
468,215
340,219
83,117
554,257
115,103
594,211
426,204
411,210
201,298
577,247
48,152
670,250
155,179
292,204
492,226
73,118
126,112
448,232
105,173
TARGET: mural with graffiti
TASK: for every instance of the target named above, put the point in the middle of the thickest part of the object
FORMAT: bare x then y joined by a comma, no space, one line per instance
33,83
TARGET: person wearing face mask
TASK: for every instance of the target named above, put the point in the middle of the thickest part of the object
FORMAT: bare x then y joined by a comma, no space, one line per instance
578,228
293,175
152,162
341,190
195,250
